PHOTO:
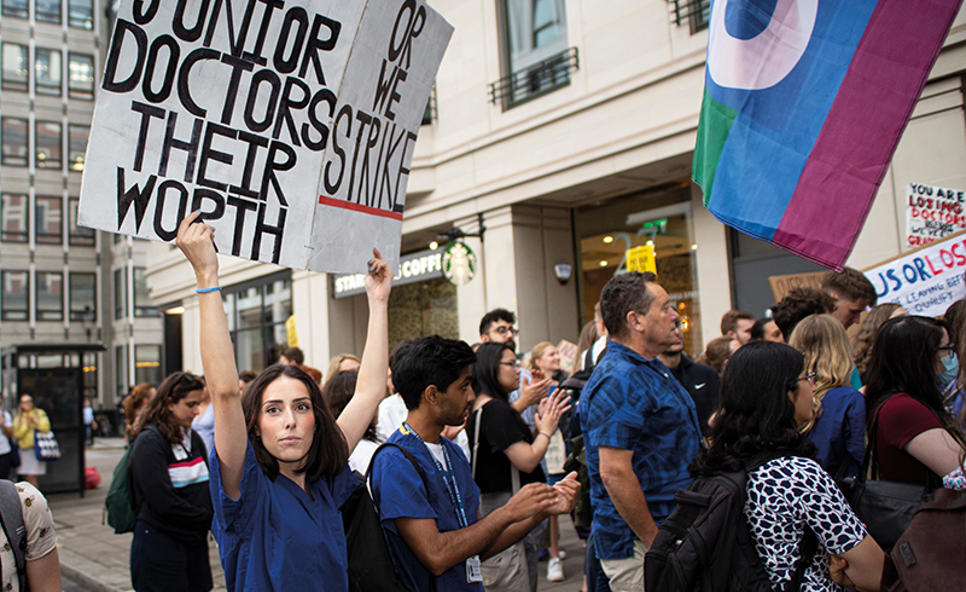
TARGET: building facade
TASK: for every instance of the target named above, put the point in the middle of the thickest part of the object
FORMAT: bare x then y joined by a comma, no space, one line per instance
561,133
62,282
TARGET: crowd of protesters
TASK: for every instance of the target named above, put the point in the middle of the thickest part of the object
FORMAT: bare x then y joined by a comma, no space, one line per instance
465,446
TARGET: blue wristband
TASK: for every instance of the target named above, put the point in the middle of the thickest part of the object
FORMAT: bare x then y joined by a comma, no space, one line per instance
207,290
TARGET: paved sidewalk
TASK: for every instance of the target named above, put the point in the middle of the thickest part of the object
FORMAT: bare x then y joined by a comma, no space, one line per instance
92,555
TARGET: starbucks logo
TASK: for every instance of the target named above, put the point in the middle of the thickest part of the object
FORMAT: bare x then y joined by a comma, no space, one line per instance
459,263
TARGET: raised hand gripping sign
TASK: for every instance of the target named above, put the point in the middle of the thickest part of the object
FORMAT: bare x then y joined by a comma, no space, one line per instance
232,107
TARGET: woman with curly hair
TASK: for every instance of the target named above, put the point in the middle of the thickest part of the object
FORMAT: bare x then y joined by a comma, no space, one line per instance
862,342
169,482
133,403
838,427
766,396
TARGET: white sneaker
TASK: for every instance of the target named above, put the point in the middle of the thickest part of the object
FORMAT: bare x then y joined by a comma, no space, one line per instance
555,570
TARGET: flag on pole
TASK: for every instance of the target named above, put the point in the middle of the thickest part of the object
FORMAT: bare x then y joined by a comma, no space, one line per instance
804,104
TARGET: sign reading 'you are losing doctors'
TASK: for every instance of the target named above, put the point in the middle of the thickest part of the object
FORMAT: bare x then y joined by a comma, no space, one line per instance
924,281
933,213
290,124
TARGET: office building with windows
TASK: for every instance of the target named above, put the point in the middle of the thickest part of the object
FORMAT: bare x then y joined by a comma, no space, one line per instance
560,135
62,282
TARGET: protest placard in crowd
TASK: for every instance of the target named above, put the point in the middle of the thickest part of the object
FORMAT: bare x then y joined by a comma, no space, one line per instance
924,281
933,213
233,108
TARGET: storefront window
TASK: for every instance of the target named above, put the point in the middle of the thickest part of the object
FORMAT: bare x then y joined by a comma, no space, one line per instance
662,221
423,308
257,312
147,364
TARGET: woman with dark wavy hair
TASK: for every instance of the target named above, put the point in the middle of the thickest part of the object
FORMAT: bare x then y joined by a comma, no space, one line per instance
279,471
916,438
766,396
169,482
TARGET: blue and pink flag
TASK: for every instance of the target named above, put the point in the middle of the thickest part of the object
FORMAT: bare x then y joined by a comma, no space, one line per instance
804,104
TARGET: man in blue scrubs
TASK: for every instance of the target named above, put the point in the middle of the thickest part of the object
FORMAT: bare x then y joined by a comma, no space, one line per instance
431,516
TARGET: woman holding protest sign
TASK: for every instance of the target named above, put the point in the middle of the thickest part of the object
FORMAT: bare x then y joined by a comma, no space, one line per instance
279,471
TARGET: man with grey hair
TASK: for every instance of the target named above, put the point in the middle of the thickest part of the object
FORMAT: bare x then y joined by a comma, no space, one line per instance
640,428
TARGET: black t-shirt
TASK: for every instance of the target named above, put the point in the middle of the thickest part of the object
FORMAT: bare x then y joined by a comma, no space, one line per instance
500,428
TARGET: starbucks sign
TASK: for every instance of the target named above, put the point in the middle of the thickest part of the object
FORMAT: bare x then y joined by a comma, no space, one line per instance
459,263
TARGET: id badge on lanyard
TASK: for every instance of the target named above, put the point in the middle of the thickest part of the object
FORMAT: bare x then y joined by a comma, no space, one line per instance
473,572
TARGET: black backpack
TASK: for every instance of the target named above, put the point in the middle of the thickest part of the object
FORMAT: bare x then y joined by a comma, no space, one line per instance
370,563
705,545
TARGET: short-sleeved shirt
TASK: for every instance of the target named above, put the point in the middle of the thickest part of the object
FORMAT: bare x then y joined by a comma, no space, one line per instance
500,428
901,419
839,432
399,492
635,404
277,536
41,537
783,497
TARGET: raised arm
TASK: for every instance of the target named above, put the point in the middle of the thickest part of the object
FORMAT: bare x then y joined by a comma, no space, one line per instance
217,354
371,384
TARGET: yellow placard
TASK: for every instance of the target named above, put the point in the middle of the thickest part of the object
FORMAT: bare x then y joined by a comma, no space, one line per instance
641,259
290,333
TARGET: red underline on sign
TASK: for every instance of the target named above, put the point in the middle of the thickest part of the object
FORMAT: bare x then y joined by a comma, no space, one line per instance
348,205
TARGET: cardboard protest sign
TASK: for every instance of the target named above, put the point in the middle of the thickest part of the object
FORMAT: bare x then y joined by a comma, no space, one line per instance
781,285
933,213
228,107
381,103
924,281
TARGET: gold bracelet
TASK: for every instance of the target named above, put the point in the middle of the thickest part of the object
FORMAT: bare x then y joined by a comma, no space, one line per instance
544,434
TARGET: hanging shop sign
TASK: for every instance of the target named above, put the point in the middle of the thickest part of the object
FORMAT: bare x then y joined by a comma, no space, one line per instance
415,267
459,263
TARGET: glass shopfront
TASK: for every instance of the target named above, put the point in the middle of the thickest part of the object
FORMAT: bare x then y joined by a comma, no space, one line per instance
257,311
660,218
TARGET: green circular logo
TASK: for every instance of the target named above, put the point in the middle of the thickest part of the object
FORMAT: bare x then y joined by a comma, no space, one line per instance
459,263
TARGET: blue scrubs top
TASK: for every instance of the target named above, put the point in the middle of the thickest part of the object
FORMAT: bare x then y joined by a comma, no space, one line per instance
276,536
398,492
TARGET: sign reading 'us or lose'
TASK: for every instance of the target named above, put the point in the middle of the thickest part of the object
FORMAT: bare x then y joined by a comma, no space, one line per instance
290,124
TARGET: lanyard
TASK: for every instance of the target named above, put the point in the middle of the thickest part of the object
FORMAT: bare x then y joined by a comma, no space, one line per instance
451,489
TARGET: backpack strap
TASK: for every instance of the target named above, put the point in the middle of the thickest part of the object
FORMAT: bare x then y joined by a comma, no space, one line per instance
406,453
11,517
806,551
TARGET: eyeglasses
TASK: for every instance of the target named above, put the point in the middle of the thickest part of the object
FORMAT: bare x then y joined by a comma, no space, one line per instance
810,377
947,351
511,364
503,330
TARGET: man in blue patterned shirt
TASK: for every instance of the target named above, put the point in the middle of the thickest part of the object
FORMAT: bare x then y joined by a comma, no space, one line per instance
640,428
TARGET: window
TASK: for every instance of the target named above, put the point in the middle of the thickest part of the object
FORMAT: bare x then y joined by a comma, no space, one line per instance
13,136
120,371
47,11
80,75
47,70
83,303
538,58
49,150
77,146
79,235
16,74
120,293
147,364
15,295
13,218
50,296
49,216
257,312
80,14
143,306
15,8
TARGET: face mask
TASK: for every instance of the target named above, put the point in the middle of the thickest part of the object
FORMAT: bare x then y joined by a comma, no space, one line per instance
950,371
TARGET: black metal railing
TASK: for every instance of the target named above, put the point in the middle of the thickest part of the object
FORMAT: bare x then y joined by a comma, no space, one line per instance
535,80
692,12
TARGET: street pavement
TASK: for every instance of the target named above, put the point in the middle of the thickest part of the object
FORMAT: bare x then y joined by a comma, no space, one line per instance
95,559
